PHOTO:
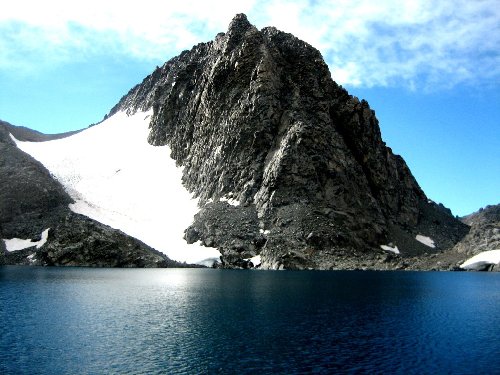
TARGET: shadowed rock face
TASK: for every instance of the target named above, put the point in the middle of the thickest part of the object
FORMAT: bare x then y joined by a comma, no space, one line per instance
29,196
484,235
79,241
255,116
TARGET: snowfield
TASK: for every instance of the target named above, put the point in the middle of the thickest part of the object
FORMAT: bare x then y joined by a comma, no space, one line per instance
15,244
482,260
117,178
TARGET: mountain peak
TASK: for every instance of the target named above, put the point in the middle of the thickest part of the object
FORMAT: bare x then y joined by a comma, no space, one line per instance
239,22
238,29
255,117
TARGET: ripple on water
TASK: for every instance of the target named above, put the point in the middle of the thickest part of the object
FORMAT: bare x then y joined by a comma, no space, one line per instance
221,321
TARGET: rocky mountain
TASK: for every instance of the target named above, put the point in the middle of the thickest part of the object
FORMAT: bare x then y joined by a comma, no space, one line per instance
31,201
290,171
254,117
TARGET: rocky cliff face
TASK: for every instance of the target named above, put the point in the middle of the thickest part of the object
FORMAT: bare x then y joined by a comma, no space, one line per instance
32,201
484,234
254,117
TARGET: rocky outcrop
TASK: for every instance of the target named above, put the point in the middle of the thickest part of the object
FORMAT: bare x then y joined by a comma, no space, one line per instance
32,201
484,234
79,241
254,116
233,230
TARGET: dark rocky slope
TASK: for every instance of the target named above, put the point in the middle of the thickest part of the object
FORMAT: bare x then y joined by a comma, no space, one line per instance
255,116
79,241
32,201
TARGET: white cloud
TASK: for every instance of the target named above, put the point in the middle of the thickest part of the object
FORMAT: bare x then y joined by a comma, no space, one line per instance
412,43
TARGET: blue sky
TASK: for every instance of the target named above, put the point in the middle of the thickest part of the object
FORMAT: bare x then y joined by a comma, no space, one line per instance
430,70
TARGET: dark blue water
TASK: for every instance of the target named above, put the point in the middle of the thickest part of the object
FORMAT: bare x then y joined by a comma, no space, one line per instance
131,321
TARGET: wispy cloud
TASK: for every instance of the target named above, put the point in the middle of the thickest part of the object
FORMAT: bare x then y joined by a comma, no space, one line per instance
392,42
417,44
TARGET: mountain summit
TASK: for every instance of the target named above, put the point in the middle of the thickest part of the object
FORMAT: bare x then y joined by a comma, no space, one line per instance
287,169
255,119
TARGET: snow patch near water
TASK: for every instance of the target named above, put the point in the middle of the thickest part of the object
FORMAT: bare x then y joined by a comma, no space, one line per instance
482,260
427,241
15,244
256,261
117,178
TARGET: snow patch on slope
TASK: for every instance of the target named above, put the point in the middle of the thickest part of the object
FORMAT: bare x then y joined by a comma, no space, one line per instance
427,241
482,260
15,244
117,178
394,249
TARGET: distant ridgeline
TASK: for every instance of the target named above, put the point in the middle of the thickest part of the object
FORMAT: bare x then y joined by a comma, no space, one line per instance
290,170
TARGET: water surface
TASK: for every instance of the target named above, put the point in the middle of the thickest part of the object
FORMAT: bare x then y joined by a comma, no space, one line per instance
78,320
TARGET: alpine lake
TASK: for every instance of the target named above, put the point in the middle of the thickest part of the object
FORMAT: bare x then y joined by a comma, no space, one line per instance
207,321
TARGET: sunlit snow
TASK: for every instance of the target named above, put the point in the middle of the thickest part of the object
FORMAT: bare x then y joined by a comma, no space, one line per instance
117,178
230,201
15,244
427,241
256,260
481,260
394,249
